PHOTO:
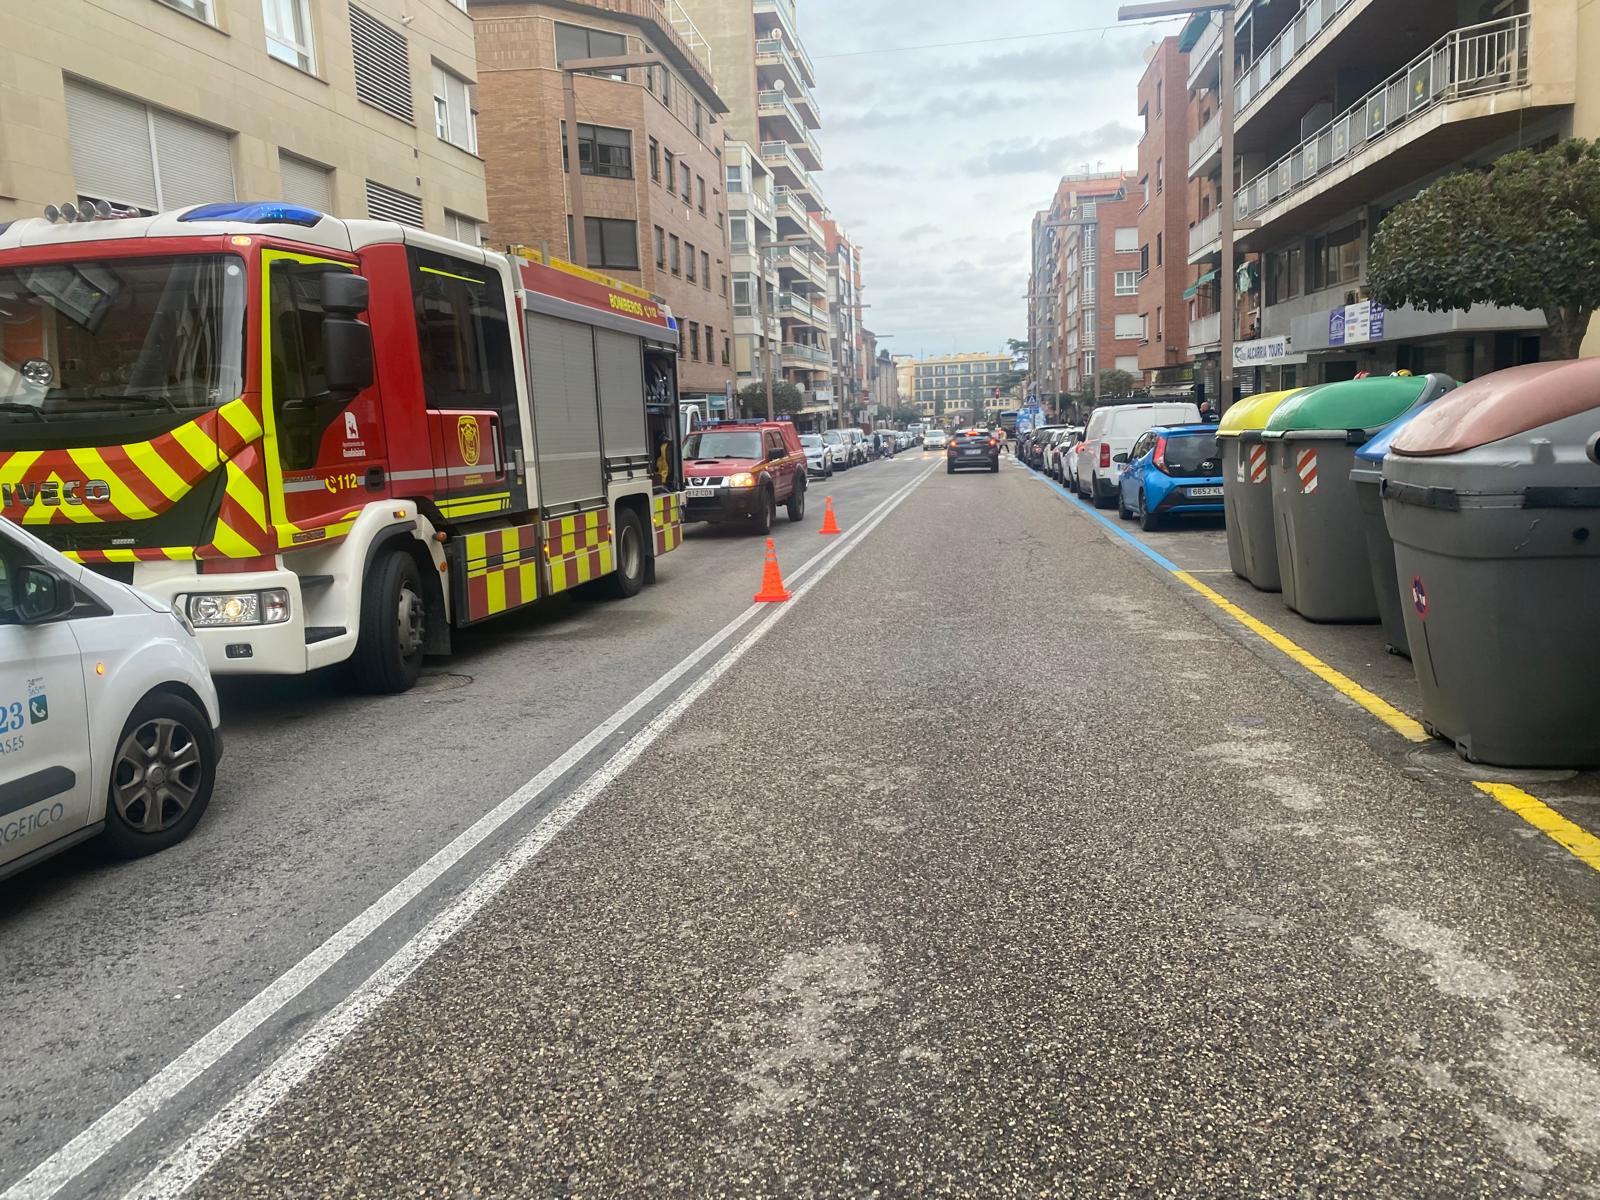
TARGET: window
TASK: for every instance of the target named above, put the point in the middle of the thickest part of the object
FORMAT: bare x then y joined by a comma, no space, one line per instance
383,66
735,178
453,118
1285,274
298,364
463,336
683,169
610,242
1129,325
1160,241
705,270
199,9
659,81
305,182
390,204
677,266
1127,241
1159,89
661,248
672,177
576,41
727,350
1144,261
700,127
1161,181
1128,363
1160,326
463,229
135,156
742,303
1336,258
289,32
694,340
655,160
738,230
688,254
724,287
700,193
601,151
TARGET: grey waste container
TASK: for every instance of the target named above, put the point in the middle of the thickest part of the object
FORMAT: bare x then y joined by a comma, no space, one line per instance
1494,508
1246,492
1311,442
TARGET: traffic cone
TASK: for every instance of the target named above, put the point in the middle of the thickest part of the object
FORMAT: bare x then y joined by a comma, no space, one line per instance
829,525
772,589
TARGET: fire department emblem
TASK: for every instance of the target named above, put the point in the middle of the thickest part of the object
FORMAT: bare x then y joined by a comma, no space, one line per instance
467,436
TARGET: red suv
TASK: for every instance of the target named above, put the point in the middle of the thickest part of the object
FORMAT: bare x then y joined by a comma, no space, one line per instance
742,471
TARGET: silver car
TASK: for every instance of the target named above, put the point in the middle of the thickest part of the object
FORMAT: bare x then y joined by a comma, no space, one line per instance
819,455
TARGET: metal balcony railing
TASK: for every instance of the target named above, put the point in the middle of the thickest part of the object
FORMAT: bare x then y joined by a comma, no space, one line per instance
1314,16
1492,57
1205,331
1204,232
1205,143
752,202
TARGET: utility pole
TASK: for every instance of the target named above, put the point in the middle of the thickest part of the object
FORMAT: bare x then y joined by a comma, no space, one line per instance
569,98
1226,270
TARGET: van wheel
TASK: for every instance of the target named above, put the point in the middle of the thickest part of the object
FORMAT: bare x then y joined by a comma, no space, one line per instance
767,513
394,626
796,508
161,778
628,579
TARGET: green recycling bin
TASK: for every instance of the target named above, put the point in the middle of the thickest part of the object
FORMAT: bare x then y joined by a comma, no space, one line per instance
1246,493
1493,500
1311,443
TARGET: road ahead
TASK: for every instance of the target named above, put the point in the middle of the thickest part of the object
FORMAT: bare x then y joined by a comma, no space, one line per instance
994,863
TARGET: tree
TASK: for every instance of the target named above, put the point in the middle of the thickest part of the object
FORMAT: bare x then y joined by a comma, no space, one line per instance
1524,233
905,415
1010,379
787,398
1114,383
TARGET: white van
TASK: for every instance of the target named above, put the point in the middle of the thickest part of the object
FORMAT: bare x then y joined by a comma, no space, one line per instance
1111,431
108,716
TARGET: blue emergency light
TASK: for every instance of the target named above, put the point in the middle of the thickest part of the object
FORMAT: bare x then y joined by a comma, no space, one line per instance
258,212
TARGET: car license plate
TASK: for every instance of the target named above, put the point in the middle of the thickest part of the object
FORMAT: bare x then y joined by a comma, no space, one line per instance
1205,491
702,493
971,453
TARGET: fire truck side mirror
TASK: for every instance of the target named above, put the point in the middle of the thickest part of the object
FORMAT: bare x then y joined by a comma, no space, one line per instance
347,353
344,294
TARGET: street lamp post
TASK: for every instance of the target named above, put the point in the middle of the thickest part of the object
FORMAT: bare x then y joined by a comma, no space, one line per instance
569,97
1225,117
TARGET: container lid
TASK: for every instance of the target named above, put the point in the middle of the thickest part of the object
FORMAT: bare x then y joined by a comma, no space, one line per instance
1375,450
1252,412
1502,405
1354,403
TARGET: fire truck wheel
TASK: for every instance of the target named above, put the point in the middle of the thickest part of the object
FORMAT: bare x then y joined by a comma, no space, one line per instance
628,578
394,617
796,507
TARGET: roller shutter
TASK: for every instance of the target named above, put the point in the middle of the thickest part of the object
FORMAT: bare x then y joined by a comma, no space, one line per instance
566,411
620,368
132,154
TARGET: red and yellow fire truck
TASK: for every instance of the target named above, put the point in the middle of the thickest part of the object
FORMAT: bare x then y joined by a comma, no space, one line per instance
325,440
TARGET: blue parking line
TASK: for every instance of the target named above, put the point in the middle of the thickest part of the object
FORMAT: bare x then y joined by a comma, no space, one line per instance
1089,510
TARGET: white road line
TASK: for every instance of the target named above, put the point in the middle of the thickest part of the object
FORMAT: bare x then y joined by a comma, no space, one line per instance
117,1122
181,1169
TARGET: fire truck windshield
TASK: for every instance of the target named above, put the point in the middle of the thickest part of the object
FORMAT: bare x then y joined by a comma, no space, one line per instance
101,338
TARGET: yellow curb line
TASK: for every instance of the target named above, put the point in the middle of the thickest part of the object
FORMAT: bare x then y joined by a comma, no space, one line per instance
1577,841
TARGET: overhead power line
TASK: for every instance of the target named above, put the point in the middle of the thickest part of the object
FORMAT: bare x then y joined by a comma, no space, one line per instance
1014,37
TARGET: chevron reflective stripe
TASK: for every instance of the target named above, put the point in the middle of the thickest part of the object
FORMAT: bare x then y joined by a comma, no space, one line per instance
1258,464
502,571
666,515
577,548
125,499
1305,466
157,470
240,418
472,506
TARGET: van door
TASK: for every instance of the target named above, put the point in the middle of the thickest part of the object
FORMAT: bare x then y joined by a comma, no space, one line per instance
45,774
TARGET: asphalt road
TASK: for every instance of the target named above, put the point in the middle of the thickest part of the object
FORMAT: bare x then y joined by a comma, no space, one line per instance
995,863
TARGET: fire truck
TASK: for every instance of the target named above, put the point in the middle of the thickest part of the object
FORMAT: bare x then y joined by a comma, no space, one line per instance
325,440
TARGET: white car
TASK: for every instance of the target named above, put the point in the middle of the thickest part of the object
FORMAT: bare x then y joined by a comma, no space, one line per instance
843,457
1111,432
108,716
819,455
856,440
935,439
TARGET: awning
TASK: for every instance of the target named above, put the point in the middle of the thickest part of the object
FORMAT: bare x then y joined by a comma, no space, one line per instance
1198,284
1190,37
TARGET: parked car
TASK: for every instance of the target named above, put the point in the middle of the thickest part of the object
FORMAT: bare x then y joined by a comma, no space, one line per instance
1171,469
1058,453
819,455
838,441
108,716
935,439
860,448
972,448
742,471
1111,431
1039,443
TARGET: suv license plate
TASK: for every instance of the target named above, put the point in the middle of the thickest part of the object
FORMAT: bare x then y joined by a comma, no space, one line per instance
702,493
1205,491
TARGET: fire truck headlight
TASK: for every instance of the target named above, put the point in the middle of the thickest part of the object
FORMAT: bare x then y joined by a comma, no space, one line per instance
210,610
744,479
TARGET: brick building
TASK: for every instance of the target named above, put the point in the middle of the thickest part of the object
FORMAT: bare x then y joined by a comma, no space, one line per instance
1164,218
650,145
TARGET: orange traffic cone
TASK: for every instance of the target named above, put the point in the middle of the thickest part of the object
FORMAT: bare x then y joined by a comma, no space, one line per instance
829,525
772,589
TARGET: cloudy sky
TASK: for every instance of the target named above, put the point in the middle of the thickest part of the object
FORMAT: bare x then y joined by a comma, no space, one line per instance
937,159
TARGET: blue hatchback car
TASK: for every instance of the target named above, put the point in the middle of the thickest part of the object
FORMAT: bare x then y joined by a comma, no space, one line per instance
1171,469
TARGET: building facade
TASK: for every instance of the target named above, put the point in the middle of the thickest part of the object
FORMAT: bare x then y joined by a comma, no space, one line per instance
1164,275
753,222
650,152
766,77
1341,115
850,390
361,109
955,389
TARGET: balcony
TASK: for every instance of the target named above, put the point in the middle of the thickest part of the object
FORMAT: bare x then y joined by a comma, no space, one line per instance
1204,333
1314,16
1205,237
1205,60
774,15
788,171
780,119
805,358
1205,151
797,267
796,307
1438,108
791,207
755,205
777,65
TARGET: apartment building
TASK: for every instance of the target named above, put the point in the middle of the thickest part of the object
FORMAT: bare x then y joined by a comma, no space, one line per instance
650,151
753,228
886,373
359,109
953,389
846,335
766,77
1346,108
1165,365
